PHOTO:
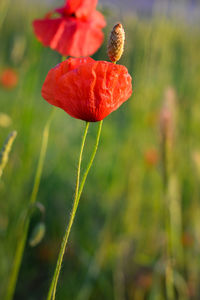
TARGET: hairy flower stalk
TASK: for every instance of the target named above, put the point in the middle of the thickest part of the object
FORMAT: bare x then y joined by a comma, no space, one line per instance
115,46
78,192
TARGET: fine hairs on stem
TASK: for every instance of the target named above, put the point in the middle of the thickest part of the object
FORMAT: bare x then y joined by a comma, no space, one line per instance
78,192
24,226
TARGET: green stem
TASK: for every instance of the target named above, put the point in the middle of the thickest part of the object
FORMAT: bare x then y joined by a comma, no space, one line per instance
91,160
65,239
43,150
52,290
25,223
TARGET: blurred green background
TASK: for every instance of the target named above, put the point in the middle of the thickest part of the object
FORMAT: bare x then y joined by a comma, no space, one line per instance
142,194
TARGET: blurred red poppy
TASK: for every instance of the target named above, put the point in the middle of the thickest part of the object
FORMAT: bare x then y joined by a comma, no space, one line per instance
87,89
77,31
151,157
8,78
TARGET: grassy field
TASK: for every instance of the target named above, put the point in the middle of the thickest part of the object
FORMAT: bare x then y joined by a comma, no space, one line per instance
137,229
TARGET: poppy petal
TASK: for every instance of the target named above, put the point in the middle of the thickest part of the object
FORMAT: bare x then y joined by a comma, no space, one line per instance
81,8
88,91
48,31
97,19
51,81
79,38
69,36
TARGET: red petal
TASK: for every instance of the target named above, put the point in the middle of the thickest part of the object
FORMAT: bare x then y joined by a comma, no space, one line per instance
51,81
89,91
97,19
71,36
48,31
79,38
81,8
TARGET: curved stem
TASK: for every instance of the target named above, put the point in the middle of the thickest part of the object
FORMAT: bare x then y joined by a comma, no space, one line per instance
25,222
43,150
68,229
52,290
91,160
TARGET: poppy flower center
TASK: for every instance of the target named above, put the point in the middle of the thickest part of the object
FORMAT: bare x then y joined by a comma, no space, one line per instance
65,13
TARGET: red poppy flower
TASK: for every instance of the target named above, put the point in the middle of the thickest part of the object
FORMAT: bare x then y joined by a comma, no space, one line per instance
8,78
76,32
151,157
87,89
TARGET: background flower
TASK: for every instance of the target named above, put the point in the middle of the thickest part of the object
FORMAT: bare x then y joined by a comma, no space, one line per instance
8,78
77,31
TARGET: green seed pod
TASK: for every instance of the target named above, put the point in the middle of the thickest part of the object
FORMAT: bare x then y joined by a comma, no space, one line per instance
37,234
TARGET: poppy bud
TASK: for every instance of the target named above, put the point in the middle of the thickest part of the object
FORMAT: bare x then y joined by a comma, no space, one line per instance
116,43
37,234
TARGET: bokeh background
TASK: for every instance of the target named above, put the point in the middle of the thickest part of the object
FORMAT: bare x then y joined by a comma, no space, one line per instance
138,223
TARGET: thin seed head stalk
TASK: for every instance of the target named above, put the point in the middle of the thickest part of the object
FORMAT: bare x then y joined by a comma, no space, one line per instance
4,154
167,133
168,120
24,225
115,47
